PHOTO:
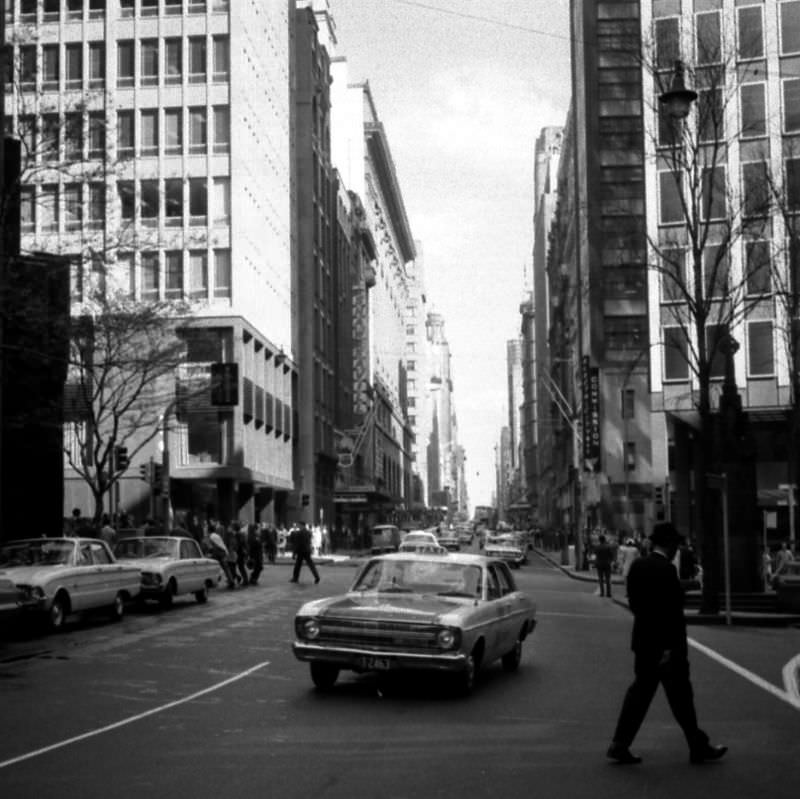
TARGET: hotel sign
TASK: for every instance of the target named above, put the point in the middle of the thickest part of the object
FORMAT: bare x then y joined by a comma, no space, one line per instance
590,383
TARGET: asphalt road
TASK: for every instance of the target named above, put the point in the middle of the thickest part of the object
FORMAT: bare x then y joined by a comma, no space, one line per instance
208,701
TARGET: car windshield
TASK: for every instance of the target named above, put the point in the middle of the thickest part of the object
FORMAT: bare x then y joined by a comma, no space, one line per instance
147,548
421,577
40,552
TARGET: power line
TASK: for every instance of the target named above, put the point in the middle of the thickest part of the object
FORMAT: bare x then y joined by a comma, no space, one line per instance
479,18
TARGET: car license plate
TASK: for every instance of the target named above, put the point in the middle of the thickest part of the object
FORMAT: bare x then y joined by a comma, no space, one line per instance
371,663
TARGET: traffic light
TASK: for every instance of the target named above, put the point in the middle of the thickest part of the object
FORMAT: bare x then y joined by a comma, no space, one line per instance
158,473
305,499
225,384
121,461
144,472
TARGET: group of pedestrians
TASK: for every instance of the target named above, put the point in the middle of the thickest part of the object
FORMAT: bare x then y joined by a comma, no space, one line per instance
774,566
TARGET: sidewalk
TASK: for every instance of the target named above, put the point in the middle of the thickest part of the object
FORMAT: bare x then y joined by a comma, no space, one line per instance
737,617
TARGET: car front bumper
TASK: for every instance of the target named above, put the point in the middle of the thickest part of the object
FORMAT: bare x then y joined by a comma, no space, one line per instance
358,659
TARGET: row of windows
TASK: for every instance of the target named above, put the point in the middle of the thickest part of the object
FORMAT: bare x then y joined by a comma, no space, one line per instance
708,34
752,113
760,350
169,62
174,202
756,193
178,274
55,10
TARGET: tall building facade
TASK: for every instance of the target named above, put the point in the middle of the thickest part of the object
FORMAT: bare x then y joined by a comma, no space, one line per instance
164,167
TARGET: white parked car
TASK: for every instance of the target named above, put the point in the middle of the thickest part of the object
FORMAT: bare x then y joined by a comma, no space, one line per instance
169,566
60,576
422,542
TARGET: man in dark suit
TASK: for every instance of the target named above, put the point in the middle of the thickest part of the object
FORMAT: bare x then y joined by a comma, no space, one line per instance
301,548
660,650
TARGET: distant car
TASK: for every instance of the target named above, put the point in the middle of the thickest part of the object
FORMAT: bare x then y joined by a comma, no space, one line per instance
449,540
10,598
385,538
418,612
60,576
169,566
421,542
507,547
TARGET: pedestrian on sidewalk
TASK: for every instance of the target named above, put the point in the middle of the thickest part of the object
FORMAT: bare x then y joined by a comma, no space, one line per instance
603,558
661,652
301,549
255,553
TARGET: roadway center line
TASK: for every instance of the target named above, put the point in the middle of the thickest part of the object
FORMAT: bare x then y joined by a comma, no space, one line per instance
132,719
790,696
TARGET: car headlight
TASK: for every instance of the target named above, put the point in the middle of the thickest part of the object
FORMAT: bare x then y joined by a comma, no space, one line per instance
307,629
448,638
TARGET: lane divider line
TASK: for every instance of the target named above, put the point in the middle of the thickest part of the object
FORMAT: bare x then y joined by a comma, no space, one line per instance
132,719
791,677
791,698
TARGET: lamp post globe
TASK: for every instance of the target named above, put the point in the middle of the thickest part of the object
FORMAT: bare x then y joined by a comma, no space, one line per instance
678,99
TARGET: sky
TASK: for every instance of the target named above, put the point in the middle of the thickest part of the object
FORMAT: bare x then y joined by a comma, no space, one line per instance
463,90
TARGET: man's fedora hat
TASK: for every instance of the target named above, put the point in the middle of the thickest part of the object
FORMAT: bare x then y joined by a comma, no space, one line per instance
664,535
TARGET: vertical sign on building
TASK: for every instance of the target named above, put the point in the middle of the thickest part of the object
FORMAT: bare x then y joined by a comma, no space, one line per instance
590,382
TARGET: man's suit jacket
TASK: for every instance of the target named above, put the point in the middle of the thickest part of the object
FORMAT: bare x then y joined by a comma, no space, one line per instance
656,598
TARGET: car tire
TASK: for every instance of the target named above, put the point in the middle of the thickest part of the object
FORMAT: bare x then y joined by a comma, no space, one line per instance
59,610
513,657
323,675
168,595
201,596
118,608
465,684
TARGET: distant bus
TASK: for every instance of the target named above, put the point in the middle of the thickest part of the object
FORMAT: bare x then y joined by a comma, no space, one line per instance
483,515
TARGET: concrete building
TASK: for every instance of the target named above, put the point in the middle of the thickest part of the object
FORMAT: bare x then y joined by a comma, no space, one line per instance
165,165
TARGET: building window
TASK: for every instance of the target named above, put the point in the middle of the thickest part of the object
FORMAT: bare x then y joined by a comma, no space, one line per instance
97,65
50,67
127,200
707,29
51,137
714,337
97,9
222,273
74,9
757,266
149,202
73,72
676,354
221,59
173,131
198,130
49,206
670,205
790,27
716,271
26,133
673,275
125,133
73,207
791,105
750,31
125,64
793,184
73,136
222,201
173,62
714,200
411,365
222,129
755,189
710,115
149,62
97,134
628,398
149,131
198,274
198,202
149,8
97,206
754,113
126,8
27,66
173,7
173,277
150,282
197,6
667,37
197,59
27,209
173,202
760,349
27,10
50,10
126,264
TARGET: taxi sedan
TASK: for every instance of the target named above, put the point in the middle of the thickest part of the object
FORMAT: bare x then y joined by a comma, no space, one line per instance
412,611
60,576
169,566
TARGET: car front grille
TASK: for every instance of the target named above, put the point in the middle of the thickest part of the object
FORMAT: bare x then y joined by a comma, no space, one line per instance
378,635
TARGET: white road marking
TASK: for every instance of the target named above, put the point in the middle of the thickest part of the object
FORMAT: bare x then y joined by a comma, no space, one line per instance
132,719
791,677
791,696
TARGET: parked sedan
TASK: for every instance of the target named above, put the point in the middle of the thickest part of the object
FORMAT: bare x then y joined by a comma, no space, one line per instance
418,612
507,547
60,576
169,566
449,540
